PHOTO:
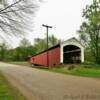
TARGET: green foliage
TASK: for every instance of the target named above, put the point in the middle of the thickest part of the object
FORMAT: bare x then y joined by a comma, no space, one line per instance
21,53
90,29
89,57
53,40
41,44
3,51
24,43
25,50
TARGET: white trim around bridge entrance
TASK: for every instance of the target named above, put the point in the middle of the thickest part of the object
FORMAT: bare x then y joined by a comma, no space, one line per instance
74,42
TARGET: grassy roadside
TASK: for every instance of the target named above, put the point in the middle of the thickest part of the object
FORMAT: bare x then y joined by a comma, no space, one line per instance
79,71
7,92
86,70
23,63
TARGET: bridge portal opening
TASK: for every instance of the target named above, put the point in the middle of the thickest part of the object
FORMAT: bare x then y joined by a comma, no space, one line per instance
71,54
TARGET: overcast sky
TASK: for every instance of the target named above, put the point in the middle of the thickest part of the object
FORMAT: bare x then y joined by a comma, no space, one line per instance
64,15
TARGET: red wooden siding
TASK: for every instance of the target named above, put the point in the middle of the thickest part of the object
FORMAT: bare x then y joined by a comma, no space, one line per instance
53,56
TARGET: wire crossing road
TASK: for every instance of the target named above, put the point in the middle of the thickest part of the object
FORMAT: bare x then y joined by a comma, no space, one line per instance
37,84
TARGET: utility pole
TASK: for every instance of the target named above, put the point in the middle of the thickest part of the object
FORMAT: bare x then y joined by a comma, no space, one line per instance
47,29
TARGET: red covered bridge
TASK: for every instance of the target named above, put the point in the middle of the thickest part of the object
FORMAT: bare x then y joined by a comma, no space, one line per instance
70,51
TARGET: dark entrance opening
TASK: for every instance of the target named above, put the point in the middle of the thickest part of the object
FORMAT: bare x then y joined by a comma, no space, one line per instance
71,54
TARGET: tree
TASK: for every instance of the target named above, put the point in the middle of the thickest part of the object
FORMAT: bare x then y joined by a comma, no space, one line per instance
53,40
3,51
15,15
41,44
90,28
24,43
24,50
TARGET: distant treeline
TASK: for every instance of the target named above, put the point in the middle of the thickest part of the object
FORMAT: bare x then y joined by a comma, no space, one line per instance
25,49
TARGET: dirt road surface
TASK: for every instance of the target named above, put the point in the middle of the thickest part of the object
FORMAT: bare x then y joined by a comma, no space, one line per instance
37,84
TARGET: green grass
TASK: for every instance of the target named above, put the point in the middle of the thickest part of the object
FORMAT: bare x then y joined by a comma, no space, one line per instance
23,63
88,72
80,70
7,92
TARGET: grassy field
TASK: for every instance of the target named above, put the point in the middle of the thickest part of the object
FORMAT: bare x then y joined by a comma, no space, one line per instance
80,71
23,63
87,70
7,92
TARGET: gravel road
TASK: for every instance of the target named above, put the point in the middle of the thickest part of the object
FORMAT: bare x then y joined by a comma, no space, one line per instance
37,84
